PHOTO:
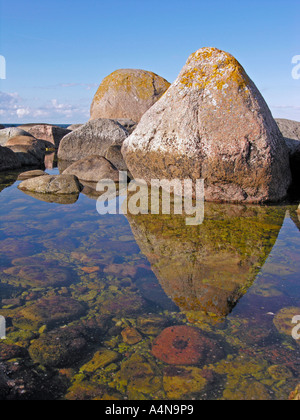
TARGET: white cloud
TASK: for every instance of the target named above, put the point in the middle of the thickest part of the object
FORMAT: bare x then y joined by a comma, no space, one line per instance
13,109
22,112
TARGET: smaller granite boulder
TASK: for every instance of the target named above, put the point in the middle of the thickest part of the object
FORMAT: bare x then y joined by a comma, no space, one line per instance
59,348
52,184
31,174
93,169
50,133
53,310
8,133
93,139
127,93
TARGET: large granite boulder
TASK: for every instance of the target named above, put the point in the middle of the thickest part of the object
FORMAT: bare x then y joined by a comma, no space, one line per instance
127,93
291,133
8,159
50,133
92,139
8,133
52,184
213,124
93,169
1,127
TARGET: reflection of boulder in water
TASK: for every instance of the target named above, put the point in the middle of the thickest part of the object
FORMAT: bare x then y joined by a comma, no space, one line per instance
206,269
7,179
54,198
295,215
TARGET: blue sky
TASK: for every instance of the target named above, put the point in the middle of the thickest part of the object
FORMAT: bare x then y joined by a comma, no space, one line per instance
58,51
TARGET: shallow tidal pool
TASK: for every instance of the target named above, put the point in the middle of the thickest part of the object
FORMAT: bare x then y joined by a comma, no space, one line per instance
145,307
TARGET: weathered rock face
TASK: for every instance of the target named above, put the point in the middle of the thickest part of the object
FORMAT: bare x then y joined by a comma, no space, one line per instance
8,133
8,159
52,184
50,133
207,269
93,169
213,124
93,139
127,93
291,133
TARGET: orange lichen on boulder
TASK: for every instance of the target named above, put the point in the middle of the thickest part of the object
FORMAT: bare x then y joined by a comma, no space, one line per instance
127,93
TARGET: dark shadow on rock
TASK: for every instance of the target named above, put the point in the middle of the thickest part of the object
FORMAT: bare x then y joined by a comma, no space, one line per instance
206,269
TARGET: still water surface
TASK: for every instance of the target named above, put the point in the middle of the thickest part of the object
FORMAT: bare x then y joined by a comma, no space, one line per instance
144,307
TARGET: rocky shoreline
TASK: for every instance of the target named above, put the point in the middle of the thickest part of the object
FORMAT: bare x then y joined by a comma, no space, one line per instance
211,123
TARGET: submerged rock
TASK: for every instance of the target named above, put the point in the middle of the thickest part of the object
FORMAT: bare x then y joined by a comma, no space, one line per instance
182,345
139,376
180,382
93,169
52,184
212,124
52,311
8,159
131,336
59,348
46,275
92,139
10,351
127,94
100,360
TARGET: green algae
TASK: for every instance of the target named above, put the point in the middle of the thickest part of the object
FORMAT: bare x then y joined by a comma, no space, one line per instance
88,359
